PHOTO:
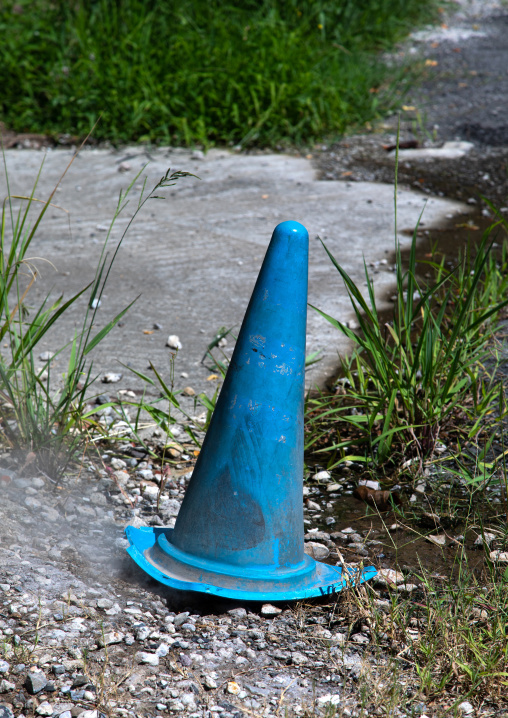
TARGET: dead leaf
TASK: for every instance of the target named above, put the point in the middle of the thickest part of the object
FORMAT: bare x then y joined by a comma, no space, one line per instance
30,458
382,500
437,539
408,145
466,225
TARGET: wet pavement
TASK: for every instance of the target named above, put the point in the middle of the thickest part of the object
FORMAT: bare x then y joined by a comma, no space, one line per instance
193,259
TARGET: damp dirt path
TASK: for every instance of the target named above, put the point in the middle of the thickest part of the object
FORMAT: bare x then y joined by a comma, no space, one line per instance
462,98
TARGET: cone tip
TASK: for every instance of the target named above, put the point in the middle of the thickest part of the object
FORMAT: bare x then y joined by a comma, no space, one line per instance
290,227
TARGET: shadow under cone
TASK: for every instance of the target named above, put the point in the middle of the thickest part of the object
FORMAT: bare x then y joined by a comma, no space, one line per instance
239,532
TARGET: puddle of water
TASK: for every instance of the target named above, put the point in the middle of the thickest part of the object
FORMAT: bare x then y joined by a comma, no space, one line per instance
405,548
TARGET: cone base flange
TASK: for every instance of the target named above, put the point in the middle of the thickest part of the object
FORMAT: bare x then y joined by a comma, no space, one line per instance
152,550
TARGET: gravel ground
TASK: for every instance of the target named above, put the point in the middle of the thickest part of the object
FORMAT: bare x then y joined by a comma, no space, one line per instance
83,631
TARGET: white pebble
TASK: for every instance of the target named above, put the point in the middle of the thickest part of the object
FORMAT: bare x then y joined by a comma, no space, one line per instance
374,485
322,476
174,342
152,659
111,378
329,699
388,576
45,709
466,708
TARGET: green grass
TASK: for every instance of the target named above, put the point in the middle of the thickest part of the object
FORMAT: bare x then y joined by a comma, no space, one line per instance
190,71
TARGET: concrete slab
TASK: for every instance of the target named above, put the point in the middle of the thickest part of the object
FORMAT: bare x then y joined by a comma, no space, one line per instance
449,151
194,258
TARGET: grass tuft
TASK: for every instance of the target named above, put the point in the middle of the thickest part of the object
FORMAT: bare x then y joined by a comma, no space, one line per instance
43,424
423,370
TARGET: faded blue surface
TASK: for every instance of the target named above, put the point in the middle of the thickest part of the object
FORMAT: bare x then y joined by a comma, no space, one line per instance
239,532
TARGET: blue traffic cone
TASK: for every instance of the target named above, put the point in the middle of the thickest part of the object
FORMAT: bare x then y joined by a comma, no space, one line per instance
239,532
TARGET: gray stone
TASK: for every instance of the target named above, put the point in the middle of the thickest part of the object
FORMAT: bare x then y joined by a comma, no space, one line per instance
209,683
104,603
109,638
298,658
79,681
6,686
35,682
181,618
317,550
142,633
360,638
4,667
